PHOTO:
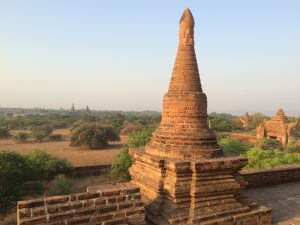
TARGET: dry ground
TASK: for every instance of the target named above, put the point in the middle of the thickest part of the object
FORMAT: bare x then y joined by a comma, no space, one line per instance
77,156
243,137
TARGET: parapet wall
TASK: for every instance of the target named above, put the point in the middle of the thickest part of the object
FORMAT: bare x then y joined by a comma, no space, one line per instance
266,177
103,205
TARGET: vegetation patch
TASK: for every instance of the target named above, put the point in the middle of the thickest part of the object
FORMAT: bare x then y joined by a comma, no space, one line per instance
93,136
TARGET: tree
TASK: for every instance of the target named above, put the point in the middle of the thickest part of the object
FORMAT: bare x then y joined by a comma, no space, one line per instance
93,136
256,119
123,160
47,165
267,144
15,172
4,133
21,137
41,132
233,146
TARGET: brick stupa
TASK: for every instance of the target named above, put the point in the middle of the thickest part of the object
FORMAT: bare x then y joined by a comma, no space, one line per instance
183,174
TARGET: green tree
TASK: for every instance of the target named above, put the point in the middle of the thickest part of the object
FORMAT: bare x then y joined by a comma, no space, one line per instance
121,164
21,137
4,133
61,185
260,159
41,132
93,136
256,119
48,166
224,122
140,138
267,144
233,146
15,172
123,160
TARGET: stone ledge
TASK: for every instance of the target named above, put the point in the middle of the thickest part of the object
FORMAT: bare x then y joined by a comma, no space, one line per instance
104,204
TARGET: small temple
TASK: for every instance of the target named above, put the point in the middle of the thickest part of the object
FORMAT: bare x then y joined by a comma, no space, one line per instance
183,174
278,128
245,121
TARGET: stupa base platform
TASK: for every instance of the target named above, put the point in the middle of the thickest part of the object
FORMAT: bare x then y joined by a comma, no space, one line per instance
202,191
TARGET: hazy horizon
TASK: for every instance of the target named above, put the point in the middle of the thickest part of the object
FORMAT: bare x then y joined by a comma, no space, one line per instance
119,55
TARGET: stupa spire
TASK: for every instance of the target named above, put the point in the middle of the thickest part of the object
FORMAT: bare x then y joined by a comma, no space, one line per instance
184,131
185,75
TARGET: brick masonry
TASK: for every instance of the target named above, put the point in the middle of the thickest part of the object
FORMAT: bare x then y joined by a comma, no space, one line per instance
100,205
184,176
259,178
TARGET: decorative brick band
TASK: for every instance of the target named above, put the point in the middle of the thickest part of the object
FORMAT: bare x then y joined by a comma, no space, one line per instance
103,205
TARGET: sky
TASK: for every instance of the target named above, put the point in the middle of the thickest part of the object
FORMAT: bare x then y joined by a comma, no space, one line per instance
118,55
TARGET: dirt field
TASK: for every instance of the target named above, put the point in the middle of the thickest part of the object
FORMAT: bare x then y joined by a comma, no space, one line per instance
243,137
77,156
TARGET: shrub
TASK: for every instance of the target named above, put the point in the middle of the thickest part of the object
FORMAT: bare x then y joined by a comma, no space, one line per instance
55,137
259,159
15,172
21,137
293,146
123,160
121,164
267,144
4,133
61,185
234,146
48,165
92,136
140,138
224,122
41,132
221,135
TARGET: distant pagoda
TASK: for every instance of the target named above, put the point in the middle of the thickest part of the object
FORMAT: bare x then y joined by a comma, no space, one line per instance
183,174
72,108
87,109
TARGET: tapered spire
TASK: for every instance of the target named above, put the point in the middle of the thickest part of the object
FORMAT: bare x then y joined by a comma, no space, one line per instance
185,75
184,131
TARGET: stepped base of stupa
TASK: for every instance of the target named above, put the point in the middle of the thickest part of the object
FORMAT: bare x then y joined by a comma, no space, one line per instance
202,191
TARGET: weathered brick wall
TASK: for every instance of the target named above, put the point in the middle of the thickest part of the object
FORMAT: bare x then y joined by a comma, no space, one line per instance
103,205
273,176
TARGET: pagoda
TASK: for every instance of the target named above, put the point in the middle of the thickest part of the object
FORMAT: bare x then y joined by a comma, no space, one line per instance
184,176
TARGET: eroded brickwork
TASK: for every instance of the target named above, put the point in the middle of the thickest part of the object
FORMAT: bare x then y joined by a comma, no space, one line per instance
100,205
184,176
279,128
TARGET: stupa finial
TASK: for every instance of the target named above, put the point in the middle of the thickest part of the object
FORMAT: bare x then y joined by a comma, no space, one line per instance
186,31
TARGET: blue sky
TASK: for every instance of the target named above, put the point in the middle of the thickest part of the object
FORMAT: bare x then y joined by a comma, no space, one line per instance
119,54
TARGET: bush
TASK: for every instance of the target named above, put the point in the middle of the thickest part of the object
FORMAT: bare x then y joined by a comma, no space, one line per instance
267,144
92,136
260,159
21,137
121,164
61,185
140,138
123,160
4,133
292,146
15,172
41,132
234,146
221,135
55,137
48,165
224,122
